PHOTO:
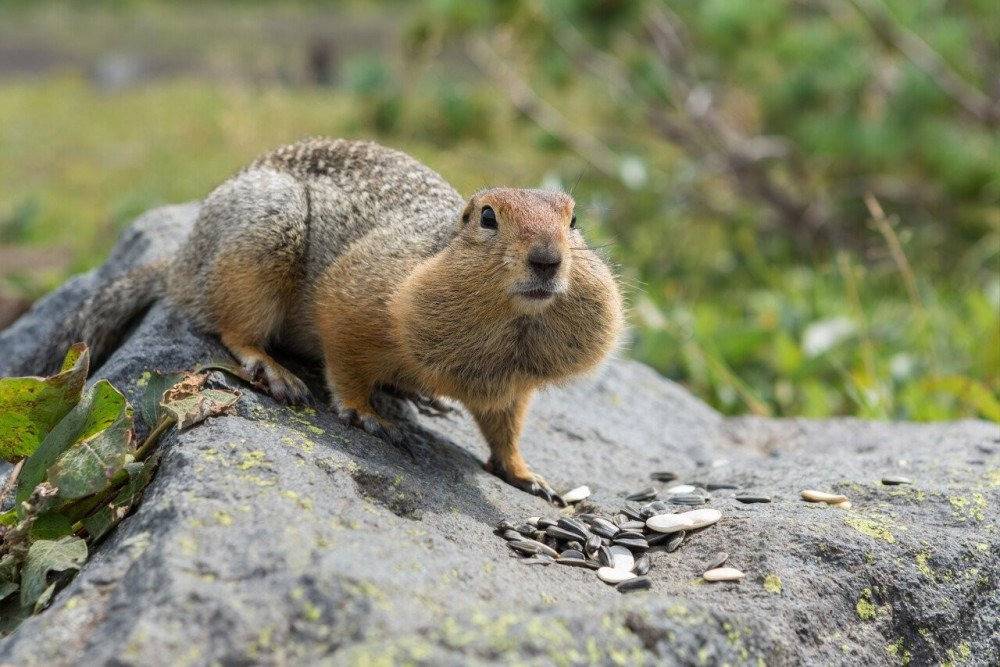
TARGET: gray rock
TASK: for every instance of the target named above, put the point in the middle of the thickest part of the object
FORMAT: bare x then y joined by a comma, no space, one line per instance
279,536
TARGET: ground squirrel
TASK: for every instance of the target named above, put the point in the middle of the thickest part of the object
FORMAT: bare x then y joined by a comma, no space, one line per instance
361,256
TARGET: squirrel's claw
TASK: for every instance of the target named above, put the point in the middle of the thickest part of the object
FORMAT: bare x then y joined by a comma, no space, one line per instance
281,383
532,482
385,431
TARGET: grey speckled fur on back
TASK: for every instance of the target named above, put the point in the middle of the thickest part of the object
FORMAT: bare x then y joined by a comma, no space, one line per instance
304,204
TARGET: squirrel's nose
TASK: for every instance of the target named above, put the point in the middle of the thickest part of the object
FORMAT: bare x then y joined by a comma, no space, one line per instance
544,261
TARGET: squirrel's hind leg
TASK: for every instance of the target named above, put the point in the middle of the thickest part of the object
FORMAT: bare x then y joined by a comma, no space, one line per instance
248,311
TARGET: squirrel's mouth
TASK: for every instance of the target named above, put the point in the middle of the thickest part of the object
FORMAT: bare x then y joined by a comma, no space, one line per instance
538,294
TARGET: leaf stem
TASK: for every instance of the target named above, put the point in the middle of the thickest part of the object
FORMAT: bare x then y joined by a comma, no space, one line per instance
166,421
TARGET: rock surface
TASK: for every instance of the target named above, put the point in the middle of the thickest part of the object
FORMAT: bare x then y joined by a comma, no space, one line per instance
279,536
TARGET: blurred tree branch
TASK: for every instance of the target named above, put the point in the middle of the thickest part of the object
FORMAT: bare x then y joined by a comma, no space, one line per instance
894,35
542,113
746,158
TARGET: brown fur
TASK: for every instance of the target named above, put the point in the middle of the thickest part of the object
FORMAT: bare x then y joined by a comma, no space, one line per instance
358,254
447,325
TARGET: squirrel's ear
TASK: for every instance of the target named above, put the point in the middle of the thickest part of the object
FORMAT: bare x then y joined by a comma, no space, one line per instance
467,213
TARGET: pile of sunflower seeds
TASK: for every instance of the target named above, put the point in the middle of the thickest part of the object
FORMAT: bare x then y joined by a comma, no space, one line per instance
617,547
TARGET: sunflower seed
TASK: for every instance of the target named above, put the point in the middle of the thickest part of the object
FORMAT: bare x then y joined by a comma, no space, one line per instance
628,534
574,526
893,480
545,522
814,496
603,527
526,529
748,499
718,486
632,512
636,584
649,493
668,523
531,547
621,558
703,517
846,505
586,517
723,574
656,539
605,557
561,534
681,488
540,559
578,562
717,561
592,545
688,499
675,541
632,543
642,565
512,535
533,520
613,575
505,525
663,476
576,495
573,553
633,525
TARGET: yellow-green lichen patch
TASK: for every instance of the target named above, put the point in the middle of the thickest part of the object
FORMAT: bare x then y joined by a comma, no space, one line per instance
223,518
993,476
300,442
304,503
256,480
875,528
924,566
772,584
972,508
958,654
897,651
865,608
251,460
143,379
311,612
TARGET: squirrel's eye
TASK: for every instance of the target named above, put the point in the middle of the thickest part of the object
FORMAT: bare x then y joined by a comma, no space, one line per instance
572,222
488,218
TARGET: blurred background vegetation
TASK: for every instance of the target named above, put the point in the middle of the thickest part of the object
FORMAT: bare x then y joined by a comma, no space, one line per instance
803,195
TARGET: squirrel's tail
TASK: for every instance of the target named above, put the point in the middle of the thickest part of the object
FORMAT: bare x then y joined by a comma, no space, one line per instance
105,315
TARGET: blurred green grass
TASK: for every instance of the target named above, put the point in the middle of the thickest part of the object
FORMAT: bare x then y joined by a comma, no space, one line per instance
718,305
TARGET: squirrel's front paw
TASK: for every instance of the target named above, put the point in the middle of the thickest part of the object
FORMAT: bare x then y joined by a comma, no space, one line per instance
380,428
526,480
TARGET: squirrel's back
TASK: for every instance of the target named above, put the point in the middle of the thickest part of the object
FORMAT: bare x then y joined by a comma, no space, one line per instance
294,210
353,188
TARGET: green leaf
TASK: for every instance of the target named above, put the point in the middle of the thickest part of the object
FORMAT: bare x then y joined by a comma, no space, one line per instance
46,557
51,526
139,477
154,385
106,517
100,408
88,465
31,406
100,522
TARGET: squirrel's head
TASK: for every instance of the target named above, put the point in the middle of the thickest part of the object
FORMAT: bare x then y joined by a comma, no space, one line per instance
525,241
